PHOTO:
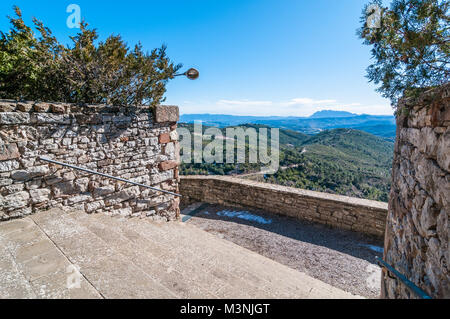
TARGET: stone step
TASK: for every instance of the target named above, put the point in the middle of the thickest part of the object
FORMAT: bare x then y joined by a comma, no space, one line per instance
113,275
225,260
138,258
255,266
144,254
34,266
183,258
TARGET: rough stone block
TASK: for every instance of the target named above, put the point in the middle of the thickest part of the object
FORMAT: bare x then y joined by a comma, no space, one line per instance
9,151
7,106
13,118
174,136
24,107
103,191
119,141
48,118
41,107
165,166
166,113
39,195
7,166
58,108
14,201
164,138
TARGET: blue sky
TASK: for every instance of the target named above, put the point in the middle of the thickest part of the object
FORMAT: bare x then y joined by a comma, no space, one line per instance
256,57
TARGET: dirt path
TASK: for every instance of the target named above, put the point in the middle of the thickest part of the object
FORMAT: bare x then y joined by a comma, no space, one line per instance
343,259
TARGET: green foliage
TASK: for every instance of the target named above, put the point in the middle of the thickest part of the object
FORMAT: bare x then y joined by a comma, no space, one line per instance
88,71
411,47
340,161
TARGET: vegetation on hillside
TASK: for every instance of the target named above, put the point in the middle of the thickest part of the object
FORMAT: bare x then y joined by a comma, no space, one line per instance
341,161
88,71
410,45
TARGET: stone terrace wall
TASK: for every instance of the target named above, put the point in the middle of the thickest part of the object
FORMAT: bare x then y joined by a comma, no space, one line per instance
417,233
342,212
132,143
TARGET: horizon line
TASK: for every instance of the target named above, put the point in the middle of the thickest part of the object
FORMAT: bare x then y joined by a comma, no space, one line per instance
282,116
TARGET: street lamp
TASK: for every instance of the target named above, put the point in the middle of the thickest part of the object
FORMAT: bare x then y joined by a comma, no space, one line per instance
191,74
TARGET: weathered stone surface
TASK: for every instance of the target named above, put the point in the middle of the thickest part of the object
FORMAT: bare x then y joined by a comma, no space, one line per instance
41,107
417,231
7,166
337,211
165,166
21,175
174,136
10,189
9,151
14,201
14,118
7,107
24,107
164,138
58,108
39,195
122,142
48,118
103,191
165,113
443,151
92,207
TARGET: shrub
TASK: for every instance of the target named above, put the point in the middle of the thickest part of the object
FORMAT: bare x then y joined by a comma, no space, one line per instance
87,71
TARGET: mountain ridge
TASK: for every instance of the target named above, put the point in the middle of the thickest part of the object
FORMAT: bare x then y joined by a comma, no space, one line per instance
380,125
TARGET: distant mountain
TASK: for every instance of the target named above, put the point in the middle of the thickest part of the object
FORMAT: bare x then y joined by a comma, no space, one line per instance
380,125
330,114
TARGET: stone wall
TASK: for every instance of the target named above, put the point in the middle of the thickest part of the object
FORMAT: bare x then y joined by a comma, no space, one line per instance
417,232
136,143
342,212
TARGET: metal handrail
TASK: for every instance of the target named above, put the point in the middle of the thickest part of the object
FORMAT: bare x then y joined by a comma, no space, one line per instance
408,283
107,176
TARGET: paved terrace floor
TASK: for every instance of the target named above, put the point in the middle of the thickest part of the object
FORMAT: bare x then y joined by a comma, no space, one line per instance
133,258
343,259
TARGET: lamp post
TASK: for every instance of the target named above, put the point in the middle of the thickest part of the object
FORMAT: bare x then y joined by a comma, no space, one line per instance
191,74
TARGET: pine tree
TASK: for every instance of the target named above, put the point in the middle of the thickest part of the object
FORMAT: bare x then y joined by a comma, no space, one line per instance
410,45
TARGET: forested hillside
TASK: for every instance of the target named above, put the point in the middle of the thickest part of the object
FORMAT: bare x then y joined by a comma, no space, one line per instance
340,161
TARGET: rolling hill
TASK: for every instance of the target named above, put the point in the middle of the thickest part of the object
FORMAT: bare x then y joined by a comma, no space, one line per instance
341,161
379,125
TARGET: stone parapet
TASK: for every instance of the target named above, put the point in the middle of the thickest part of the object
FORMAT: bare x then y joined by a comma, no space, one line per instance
337,211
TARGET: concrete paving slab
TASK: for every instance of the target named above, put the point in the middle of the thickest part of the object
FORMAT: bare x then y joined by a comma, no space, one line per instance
12,282
114,277
56,287
134,258
30,251
45,265
15,225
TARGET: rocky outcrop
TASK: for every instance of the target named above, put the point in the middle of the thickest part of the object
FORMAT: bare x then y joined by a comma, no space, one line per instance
417,232
135,143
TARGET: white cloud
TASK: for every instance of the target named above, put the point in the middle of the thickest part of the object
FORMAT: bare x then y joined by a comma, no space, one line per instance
308,101
244,103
